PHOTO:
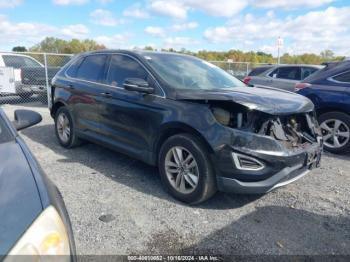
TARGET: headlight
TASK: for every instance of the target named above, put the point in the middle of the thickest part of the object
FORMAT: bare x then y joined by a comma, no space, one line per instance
46,236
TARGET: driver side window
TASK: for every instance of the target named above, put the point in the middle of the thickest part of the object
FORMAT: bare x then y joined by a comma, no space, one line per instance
123,67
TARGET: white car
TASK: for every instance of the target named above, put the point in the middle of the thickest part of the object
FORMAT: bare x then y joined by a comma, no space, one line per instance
11,75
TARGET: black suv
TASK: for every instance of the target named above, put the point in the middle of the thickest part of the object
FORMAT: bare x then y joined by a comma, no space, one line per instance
204,128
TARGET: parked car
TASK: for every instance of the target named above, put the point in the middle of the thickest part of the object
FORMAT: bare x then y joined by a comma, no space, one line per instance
329,90
203,127
28,73
34,220
280,76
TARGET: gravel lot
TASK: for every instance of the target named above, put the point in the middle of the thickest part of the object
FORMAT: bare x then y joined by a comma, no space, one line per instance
117,206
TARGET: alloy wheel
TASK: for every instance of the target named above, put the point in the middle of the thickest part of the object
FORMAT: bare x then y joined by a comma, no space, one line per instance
63,127
335,133
182,170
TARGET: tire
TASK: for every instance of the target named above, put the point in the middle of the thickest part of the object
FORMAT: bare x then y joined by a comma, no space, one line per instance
202,172
328,125
72,140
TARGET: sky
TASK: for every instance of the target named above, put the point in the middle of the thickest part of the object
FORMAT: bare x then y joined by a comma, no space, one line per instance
306,26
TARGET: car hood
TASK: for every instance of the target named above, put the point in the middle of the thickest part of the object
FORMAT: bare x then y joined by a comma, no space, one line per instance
268,100
19,197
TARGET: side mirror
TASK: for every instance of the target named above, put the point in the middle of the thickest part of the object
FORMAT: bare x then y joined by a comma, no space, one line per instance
137,84
26,118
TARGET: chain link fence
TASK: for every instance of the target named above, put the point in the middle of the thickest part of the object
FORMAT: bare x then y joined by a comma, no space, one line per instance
26,77
237,69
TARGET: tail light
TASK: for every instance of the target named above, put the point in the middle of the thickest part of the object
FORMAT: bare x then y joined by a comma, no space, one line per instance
300,86
247,79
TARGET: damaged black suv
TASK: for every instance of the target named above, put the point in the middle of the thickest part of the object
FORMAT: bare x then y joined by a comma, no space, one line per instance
205,129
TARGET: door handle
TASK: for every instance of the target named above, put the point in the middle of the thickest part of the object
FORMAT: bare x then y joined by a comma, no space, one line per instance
70,86
106,94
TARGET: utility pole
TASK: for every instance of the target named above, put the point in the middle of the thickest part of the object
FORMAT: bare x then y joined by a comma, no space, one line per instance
279,45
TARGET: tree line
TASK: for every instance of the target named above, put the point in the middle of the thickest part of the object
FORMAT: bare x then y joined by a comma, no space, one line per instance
56,45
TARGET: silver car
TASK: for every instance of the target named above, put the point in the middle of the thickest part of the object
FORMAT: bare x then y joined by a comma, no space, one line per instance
280,76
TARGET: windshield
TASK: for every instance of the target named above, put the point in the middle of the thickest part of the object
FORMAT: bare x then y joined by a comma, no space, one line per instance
186,72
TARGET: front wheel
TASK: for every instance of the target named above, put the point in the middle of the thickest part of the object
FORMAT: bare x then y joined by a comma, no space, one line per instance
335,127
186,170
64,128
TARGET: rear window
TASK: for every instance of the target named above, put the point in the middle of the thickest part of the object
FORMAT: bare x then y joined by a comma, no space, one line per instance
73,68
307,71
92,68
19,61
258,71
5,135
290,73
344,77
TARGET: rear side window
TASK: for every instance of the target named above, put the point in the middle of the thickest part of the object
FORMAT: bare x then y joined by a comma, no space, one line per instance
92,68
344,77
73,68
258,71
307,71
19,61
290,73
122,67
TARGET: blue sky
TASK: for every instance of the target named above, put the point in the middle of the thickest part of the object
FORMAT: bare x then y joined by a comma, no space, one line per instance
304,25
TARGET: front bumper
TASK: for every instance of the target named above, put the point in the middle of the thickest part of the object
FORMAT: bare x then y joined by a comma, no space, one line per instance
282,178
280,166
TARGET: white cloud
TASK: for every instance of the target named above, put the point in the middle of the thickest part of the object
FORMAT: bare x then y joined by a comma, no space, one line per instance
155,31
224,8
104,17
104,2
179,42
179,8
75,31
312,32
70,2
28,34
287,4
10,3
136,11
184,26
170,8
115,41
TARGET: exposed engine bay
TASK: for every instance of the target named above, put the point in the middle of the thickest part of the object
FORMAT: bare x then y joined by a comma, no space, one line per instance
295,130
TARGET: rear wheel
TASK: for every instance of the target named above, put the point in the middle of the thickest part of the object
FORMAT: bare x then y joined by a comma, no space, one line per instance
335,127
64,128
186,170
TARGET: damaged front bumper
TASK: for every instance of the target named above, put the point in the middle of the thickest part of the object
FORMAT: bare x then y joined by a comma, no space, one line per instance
256,164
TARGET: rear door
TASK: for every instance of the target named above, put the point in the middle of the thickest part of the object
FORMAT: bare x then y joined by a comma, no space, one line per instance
260,77
286,77
343,79
84,92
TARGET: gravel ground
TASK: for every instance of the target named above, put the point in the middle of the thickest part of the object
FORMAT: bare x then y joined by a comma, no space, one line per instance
117,206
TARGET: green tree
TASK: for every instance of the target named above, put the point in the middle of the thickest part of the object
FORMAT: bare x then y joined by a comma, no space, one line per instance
19,49
56,45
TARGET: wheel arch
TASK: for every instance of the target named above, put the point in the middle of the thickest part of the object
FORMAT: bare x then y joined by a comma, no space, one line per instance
323,110
55,107
175,128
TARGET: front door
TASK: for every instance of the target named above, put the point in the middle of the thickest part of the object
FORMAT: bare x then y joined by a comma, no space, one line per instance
129,117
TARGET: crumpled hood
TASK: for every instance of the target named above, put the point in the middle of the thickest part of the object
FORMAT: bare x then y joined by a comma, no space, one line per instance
268,100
